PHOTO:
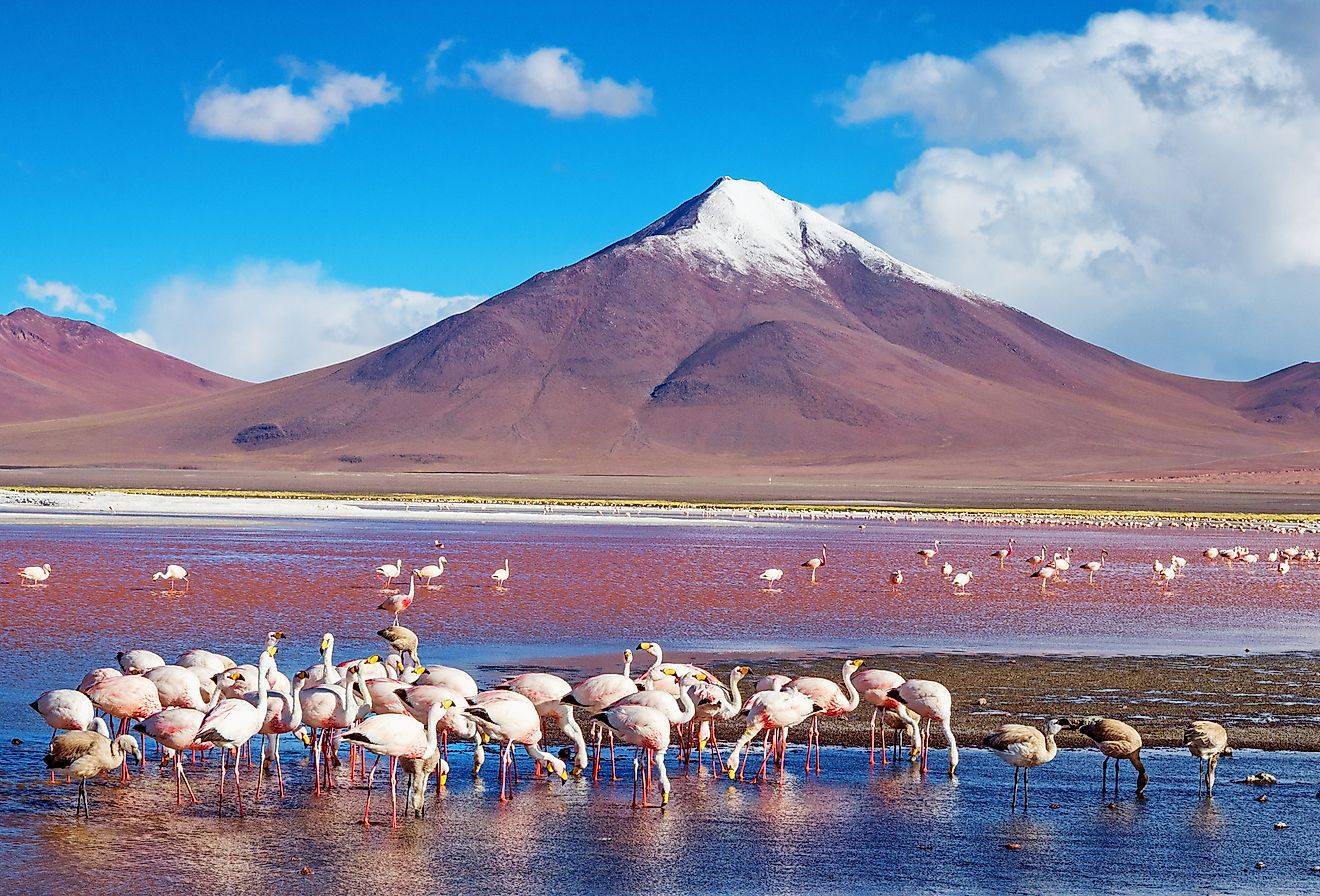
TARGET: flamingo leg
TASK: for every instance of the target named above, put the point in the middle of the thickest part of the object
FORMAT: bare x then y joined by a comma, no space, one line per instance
186,783
238,784
1016,773
366,812
1026,787
221,807
394,800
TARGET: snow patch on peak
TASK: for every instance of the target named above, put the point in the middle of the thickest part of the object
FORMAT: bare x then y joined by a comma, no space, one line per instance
746,227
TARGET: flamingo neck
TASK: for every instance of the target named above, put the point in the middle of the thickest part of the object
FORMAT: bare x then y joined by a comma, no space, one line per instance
735,679
687,710
328,659
627,666
849,670
295,711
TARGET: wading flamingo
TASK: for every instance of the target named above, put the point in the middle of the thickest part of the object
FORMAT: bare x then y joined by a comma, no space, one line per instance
771,577
648,731
816,563
34,575
960,583
1117,741
398,737
895,579
175,729
173,573
832,699
388,572
1094,567
775,712
1207,741
932,702
397,603
513,719
86,754
928,554
432,571
233,722
1024,748
1003,553
874,685
1045,574
501,575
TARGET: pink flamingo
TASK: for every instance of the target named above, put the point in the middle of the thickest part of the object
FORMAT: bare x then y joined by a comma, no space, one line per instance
598,692
124,698
931,701
771,711
513,719
1045,574
398,737
175,729
832,700
874,686
1003,553
547,693
1094,566
816,563
232,723
928,554
895,580
397,603
648,730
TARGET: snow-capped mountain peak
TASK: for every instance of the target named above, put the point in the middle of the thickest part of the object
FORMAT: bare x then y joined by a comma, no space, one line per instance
743,227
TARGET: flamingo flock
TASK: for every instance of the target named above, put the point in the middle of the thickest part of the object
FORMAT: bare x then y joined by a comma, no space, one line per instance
406,711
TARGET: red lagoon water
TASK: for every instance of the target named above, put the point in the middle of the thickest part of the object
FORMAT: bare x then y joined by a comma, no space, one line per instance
588,588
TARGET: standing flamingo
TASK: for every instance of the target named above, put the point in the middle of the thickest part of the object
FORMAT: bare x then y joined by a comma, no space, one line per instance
960,583
398,737
513,719
175,729
1003,553
501,575
947,569
832,700
895,579
931,701
173,573
397,603
874,685
86,754
771,577
1117,741
647,730
34,575
1094,566
388,572
1024,748
432,571
816,563
1207,741
233,722
928,554
1045,574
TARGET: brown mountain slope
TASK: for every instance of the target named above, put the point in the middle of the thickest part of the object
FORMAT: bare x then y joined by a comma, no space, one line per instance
52,367
739,331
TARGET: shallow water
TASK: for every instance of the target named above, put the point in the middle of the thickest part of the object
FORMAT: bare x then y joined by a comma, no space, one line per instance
579,593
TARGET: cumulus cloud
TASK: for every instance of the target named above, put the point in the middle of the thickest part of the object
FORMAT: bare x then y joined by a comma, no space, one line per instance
551,79
65,298
265,319
279,115
1151,183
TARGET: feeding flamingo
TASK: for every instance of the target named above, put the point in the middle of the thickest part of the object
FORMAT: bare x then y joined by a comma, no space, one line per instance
432,571
173,573
34,575
771,577
932,702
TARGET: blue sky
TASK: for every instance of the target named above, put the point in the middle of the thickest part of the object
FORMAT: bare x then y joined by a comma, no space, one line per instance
138,188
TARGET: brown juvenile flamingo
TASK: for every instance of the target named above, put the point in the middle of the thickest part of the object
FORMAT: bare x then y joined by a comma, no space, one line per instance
1207,741
1024,748
86,754
1117,741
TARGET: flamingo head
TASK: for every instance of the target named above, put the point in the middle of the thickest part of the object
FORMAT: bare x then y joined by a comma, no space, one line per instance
742,672
327,641
373,659
303,737
650,647
855,664
301,676
1054,726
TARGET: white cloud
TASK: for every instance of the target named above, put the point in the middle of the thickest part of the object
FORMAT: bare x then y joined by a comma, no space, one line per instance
1151,183
278,115
65,298
141,337
266,319
551,79
433,79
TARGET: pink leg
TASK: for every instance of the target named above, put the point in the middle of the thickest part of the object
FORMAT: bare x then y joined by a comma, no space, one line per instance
873,712
366,812
221,807
394,800
238,784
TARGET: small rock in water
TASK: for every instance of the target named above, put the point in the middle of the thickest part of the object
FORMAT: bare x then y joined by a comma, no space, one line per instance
305,870
1260,865
1280,825
1315,868
1262,799
1261,779
981,701
18,742
1054,805
1012,846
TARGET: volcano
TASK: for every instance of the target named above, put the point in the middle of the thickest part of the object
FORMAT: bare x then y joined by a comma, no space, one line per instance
53,367
740,331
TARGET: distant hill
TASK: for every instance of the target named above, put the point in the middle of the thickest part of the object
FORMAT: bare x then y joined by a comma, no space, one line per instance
739,331
53,367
